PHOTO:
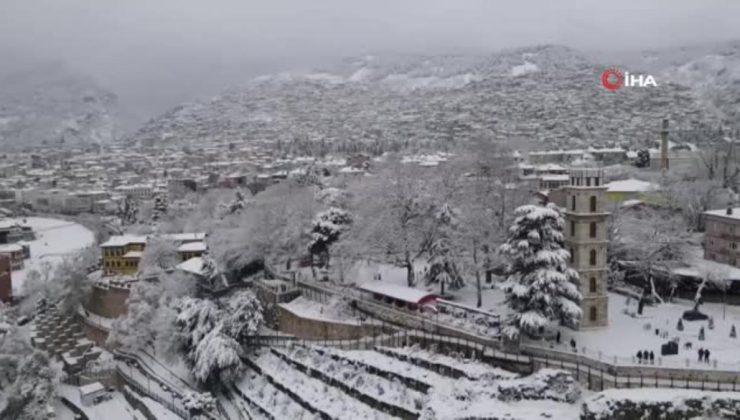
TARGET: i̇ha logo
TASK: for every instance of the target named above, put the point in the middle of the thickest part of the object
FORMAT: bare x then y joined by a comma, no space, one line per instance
614,79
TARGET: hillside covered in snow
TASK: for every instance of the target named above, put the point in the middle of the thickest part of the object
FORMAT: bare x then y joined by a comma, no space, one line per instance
46,103
549,94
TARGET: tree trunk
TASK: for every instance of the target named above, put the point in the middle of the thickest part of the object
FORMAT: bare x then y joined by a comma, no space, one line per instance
478,291
410,276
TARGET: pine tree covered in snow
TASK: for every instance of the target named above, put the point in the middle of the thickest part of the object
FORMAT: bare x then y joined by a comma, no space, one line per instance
327,227
442,261
128,211
540,286
244,315
211,333
160,207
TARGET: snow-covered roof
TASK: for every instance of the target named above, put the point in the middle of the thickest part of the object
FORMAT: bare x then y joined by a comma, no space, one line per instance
133,254
92,388
723,213
562,177
123,240
193,265
630,185
192,247
406,294
187,237
10,248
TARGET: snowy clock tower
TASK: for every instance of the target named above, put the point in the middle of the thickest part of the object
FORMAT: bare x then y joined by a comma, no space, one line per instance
586,240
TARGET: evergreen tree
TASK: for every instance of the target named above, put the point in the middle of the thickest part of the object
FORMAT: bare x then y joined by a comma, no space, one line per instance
540,287
327,229
442,261
160,207
128,211
643,158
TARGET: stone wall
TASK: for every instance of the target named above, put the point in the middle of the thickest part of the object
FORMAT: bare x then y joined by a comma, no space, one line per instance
108,302
94,334
291,323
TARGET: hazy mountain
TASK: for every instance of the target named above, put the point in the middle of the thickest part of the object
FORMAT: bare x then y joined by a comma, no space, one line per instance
46,103
550,94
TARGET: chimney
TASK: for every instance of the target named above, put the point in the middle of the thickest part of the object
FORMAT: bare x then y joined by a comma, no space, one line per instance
664,146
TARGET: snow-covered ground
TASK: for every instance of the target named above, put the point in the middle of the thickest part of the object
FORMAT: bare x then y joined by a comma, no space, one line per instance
116,408
626,335
488,394
55,239
335,310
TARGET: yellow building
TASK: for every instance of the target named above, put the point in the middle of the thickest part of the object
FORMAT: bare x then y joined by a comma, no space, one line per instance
121,254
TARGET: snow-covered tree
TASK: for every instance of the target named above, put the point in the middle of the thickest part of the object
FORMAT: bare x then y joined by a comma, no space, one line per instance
159,256
235,206
327,227
244,315
211,333
443,260
215,354
136,330
199,404
643,158
31,389
128,211
540,287
160,207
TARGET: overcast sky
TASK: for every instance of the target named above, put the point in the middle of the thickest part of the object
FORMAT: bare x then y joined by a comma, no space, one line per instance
154,53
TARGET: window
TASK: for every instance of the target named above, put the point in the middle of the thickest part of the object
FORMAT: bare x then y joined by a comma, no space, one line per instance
572,228
592,230
596,181
588,182
592,257
573,203
733,245
593,204
593,313
592,285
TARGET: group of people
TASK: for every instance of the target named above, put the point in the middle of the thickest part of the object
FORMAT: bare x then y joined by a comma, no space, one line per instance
704,355
646,356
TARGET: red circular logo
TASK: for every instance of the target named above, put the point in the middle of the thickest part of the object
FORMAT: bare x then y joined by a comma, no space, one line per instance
612,79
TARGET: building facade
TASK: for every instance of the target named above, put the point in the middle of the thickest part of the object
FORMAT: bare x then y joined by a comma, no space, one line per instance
586,239
722,236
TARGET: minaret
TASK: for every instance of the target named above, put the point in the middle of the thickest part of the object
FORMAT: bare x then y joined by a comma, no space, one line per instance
586,239
664,165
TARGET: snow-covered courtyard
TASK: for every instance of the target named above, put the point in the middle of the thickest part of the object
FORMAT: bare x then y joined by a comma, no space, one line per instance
627,334
55,239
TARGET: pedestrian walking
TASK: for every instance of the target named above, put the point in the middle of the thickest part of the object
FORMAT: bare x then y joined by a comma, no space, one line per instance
573,343
706,355
652,357
557,338
639,356
701,354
